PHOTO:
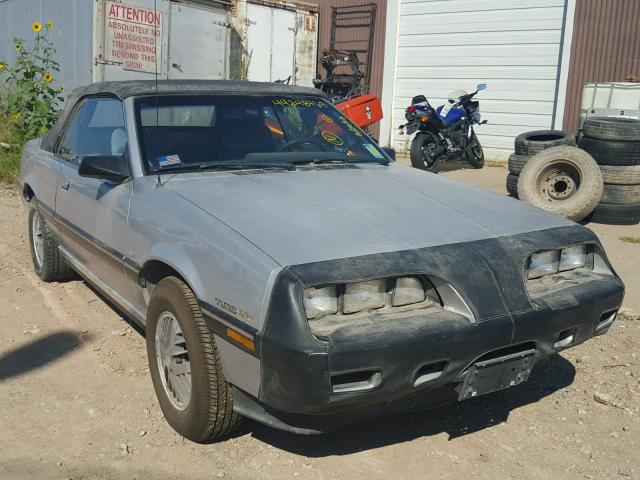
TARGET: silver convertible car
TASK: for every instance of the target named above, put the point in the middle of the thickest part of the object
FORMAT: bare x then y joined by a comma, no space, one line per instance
285,269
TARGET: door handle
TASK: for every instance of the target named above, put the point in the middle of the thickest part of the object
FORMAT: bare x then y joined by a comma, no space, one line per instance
65,185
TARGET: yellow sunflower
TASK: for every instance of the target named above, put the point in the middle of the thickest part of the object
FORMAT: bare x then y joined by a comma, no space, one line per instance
48,77
61,89
36,27
18,47
2,65
49,24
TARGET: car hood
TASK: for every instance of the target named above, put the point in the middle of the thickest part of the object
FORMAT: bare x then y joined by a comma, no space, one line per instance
323,213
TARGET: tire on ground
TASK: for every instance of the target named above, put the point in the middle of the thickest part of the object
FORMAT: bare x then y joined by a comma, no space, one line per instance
612,152
209,413
517,162
512,185
52,267
530,143
621,194
416,153
563,162
612,128
619,175
616,214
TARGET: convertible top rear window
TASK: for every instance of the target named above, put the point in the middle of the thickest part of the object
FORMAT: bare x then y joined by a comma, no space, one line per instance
201,129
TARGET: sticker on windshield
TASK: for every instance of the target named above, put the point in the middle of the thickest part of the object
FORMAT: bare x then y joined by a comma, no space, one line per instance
349,126
373,150
166,160
332,138
326,118
299,103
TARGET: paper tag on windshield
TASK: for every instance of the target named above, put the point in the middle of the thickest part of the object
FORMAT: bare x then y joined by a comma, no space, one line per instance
373,150
167,160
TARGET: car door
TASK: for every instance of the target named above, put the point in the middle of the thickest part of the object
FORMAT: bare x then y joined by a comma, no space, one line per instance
92,213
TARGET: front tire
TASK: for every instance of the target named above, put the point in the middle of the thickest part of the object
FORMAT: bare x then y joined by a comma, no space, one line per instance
474,153
185,366
420,153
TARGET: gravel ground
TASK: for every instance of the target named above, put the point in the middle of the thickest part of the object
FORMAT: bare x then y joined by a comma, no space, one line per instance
77,400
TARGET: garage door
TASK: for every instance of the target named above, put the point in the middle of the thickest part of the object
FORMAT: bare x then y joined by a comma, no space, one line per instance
514,47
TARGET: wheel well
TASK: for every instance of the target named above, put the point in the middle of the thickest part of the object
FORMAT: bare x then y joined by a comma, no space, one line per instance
155,270
27,193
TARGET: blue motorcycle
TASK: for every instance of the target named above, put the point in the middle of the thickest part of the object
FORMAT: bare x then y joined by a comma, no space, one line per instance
446,132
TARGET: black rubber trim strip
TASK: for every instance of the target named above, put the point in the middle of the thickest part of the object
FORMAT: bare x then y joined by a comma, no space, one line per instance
90,239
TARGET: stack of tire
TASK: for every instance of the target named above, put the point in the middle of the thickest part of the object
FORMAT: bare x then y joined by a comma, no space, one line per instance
529,144
615,144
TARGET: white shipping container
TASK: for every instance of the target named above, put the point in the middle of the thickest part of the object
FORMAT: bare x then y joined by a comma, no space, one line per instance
105,40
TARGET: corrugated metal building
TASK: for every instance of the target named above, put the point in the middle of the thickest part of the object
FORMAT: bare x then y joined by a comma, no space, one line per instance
525,51
605,48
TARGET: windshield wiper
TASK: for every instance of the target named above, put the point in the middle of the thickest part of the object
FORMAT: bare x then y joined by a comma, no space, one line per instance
339,160
222,166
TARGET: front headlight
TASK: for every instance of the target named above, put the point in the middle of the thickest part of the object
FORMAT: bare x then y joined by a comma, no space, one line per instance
320,301
573,257
408,290
543,263
549,262
348,298
364,296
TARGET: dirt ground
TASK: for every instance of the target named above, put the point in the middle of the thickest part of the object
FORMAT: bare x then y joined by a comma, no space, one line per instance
77,400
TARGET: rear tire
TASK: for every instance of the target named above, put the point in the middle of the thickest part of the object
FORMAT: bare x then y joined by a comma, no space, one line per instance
205,410
612,128
531,143
562,180
616,214
419,153
48,262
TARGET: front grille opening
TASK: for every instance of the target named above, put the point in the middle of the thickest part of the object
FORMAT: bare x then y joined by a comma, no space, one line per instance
428,373
359,381
510,350
565,338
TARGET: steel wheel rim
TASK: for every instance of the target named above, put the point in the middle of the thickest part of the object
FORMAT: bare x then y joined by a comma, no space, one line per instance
37,238
559,182
172,357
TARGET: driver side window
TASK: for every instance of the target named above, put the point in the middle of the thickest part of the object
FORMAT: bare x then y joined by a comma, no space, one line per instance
97,128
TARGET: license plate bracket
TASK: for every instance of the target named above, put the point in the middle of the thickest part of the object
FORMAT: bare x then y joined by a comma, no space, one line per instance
488,376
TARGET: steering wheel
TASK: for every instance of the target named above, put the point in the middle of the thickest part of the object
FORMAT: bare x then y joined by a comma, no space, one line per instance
302,141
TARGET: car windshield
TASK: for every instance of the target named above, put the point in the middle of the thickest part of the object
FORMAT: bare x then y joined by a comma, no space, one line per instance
226,131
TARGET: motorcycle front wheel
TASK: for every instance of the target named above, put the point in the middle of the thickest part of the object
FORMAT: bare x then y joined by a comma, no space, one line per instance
421,153
474,154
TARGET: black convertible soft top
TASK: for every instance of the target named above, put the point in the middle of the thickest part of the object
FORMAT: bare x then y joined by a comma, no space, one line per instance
133,88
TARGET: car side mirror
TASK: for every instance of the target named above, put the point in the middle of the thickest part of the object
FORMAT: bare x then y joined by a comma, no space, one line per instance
113,168
481,86
391,152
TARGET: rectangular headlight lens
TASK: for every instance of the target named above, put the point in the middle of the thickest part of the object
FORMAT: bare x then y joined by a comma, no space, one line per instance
572,257
408,290
543,263
320,301
364,296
